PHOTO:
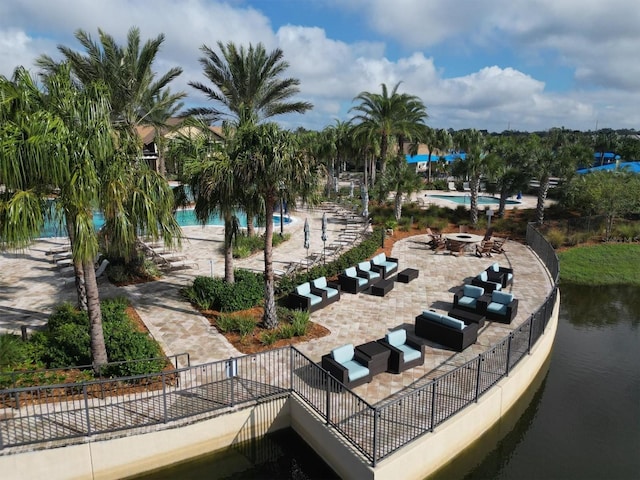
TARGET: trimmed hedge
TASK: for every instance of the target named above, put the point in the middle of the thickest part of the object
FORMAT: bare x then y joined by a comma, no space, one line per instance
208,293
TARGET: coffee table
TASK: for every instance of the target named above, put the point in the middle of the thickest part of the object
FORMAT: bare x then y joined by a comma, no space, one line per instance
376,355
467,317
408,274
382,287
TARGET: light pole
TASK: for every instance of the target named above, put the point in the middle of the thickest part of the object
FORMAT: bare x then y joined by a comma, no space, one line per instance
281,189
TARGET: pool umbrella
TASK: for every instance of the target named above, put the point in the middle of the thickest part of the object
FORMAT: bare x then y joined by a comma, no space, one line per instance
306,238
365,201
324,236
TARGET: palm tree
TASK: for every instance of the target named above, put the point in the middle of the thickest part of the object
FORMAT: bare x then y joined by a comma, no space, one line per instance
511,174
385,115
476,164
247,88
66,161
443,142
135,94
402,179
269,158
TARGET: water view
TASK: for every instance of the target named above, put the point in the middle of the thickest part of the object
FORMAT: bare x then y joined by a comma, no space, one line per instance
580,421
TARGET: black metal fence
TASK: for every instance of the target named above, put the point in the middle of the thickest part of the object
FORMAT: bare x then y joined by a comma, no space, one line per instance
57,412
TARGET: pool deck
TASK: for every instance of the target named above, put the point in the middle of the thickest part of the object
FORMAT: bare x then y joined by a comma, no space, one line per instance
31,286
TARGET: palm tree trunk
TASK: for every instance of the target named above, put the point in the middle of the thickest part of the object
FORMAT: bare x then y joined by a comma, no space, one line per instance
474,184
398,205
503,201
98,348
384,144
429,167
542,196
270,318
228,251
81,290
251,230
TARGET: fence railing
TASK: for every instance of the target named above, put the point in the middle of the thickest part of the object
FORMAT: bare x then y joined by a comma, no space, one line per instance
57,412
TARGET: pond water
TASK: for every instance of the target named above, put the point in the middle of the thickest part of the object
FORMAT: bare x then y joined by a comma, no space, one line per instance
581,420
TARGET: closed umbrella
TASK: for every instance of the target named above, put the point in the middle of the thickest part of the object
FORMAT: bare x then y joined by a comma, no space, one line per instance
324,236
307,238
351,190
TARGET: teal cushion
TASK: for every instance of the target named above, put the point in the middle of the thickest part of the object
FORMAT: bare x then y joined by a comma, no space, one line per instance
408,353
373,275
499,308
351,272
473,291
343,354
382,257
365,266
452,322
397,337
313,299
502,297
304,289
495,267
362,281
378,259
431,315
355,370
483,276
389,266
331,292
467,301
509,277
320,282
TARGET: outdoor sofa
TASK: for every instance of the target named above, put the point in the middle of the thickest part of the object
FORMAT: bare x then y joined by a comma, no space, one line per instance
352,281
347,365
447,331
405,353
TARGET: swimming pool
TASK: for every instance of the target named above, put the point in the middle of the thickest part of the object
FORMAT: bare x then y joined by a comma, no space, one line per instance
185,217
466,199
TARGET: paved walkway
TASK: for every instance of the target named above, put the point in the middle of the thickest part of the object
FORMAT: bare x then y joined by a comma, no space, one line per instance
30,286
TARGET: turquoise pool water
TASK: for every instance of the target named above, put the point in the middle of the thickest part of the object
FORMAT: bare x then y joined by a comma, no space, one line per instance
465,199
185,218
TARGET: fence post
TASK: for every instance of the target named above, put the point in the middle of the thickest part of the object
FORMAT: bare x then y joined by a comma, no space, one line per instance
164,396
433,406
532,322
507,369
478,377
86,408
374,456
327,379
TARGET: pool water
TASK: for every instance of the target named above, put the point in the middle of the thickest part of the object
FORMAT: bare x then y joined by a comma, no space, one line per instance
466,199
185,218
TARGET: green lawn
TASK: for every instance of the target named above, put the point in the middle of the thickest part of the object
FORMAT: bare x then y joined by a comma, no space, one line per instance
608,264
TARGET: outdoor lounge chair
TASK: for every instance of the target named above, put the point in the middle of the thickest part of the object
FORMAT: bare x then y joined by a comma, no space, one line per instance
352,281
331,289
447,331
498,245
365,270
484,249
500,306
489,284
386,266
347,365
455,247
467,298
306,297
503,275
452,186
405,353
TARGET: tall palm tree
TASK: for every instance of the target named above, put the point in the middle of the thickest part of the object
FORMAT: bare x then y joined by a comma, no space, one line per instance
401,178
136,95
388,114
247,88
267,158
67,165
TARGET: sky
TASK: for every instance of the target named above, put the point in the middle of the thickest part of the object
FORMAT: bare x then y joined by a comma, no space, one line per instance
496,65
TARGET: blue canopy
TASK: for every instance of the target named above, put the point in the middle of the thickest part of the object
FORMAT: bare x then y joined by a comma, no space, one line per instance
633,167
434,158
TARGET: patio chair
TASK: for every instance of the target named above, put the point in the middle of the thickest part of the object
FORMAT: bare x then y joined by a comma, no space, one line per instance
503,275
452,186
331,289
352,281
405,353
347,365
386,266
456,248
307,298
498,245
365,270
500,306
484,249
489,284
466,187
467,298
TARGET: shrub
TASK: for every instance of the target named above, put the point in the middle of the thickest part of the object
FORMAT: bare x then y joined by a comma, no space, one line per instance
556,237
216,294
225,323
300,323
269,337
286,330
405,224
